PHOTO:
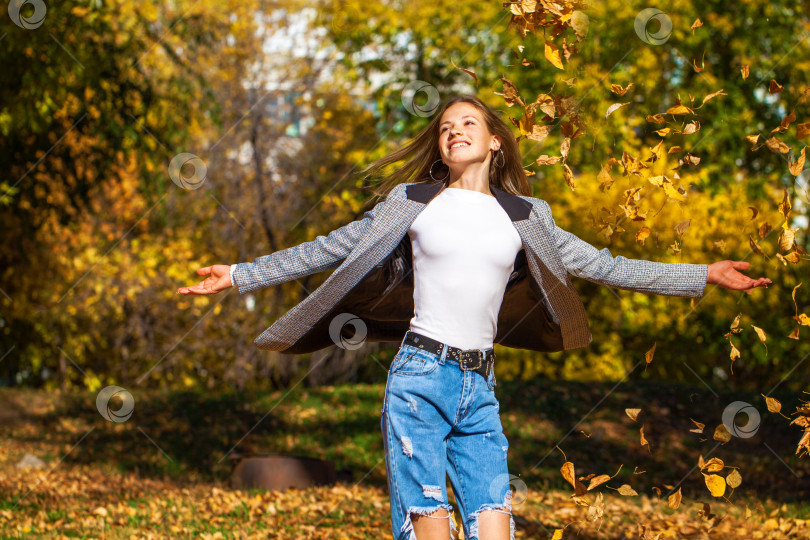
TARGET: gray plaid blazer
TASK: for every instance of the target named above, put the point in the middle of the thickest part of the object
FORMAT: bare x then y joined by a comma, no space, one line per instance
373,282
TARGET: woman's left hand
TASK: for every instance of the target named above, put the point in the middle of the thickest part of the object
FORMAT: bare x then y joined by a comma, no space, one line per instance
724,273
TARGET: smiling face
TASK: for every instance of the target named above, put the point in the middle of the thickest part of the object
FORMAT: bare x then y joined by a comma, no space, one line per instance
464,137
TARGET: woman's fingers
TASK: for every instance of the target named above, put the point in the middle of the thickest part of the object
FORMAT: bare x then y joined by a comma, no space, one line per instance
204,271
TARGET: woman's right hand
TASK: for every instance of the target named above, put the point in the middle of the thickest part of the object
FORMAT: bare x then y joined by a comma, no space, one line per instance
219,279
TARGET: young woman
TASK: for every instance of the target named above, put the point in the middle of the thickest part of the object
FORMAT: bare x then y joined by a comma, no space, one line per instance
468,215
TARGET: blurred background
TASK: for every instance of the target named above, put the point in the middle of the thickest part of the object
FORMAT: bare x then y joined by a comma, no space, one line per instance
142,140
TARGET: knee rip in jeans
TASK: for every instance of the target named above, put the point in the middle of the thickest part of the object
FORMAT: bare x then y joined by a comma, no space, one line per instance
426,512
505,508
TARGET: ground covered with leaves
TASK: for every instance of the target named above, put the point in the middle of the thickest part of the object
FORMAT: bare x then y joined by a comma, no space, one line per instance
165,471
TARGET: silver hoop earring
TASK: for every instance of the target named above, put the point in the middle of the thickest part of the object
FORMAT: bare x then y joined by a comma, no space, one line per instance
439,179
495,157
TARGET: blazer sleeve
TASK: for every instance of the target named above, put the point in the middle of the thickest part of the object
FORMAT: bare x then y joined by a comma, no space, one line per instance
323,253
600,266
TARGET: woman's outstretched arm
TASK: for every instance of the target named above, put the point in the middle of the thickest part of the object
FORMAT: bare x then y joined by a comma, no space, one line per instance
674,279
323,253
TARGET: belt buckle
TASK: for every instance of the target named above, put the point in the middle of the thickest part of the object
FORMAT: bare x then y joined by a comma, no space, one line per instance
466,354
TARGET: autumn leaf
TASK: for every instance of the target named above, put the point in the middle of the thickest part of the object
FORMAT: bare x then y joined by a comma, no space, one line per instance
632,413
733,355
773,404
754,245
567,471
713,465
617,89
712,96
796,167
745,70
722,434
802,130
734,479
643,439
648,356
674,500
598,481
568,175
681,227
776,146
699,427
626,490
696,24
785,205
716,484
679,109
553,55
642,235
774,87
547,160
510,93
614,107
467,71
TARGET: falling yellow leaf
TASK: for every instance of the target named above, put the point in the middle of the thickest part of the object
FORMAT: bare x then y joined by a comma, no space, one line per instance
649,354
568,175
558,534
626,490
802,130
632,413
699,427
773,404
734,479
714,465
681,227
712,96
643,439
785,205
547,160
774,87
614,107
642,235
796,167
754,245
716,484
679,109
553,55
776,146
722,434
674,500
786,239
567,471
598,481
617,89
760,333
696,24
745,70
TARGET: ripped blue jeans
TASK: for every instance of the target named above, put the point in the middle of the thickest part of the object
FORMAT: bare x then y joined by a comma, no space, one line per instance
438,420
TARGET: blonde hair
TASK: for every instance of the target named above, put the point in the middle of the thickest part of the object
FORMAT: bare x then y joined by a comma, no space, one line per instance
421,153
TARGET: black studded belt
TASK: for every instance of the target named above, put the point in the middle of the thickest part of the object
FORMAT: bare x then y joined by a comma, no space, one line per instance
468,360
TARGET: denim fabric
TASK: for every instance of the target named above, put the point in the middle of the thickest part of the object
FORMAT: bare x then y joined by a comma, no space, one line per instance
438,420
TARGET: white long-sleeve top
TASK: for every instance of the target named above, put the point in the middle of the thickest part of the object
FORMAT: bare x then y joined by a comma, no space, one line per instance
464,247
